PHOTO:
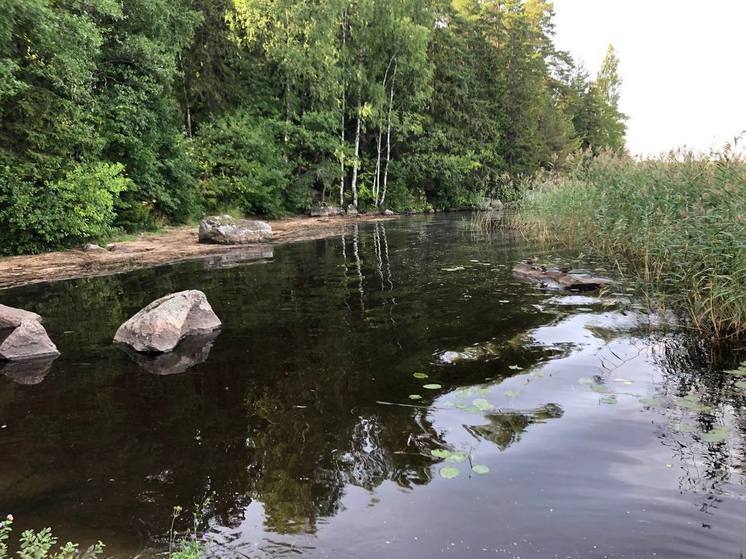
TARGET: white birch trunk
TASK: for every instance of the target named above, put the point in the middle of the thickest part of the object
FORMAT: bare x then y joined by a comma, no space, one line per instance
388,140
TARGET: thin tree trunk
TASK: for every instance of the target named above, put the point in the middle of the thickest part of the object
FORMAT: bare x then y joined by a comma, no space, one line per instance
377,176
356,164
388,140
344,108
186,100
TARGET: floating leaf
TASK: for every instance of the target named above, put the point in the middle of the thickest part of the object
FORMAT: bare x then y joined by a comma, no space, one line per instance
650,401
716,435
415,397
609,400
600,388
419,375
480,469
432,386
585,380
441,453
515,368
740,372
458,457
741,385
511,393
482,405
454,269
449,472
691,402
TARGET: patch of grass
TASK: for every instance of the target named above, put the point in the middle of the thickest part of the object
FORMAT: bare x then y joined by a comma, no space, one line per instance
678,222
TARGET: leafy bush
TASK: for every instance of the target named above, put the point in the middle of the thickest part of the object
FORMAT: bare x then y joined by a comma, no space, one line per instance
38,545
76,207
241,165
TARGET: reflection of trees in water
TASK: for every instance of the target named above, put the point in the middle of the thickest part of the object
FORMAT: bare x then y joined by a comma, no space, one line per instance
506,428
692,367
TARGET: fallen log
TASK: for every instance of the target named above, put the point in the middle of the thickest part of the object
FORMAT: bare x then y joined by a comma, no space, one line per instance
559,278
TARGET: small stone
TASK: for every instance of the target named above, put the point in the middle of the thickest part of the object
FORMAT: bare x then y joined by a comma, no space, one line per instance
388,212
28,340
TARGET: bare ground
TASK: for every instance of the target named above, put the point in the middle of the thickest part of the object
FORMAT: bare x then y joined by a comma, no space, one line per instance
175,244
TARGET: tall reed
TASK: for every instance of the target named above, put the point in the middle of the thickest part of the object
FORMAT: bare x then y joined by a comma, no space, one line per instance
679,222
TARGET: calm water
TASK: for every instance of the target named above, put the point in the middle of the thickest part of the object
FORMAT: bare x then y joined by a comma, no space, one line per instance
298,431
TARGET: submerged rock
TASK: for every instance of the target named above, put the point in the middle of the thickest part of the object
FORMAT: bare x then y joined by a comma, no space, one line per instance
11,317
192,350
28,340
325,211
559,278
225,230
160,326
28,371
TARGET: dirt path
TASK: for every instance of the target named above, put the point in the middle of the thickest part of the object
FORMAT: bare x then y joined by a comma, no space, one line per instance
176,244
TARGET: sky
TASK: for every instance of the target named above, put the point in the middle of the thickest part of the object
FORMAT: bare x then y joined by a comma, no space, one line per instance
682,64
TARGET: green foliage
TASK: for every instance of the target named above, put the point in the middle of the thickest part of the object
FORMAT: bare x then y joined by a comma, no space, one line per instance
677,221
273,105
39,545
241,165
77,207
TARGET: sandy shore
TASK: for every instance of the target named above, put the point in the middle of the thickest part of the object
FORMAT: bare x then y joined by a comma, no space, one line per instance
175,244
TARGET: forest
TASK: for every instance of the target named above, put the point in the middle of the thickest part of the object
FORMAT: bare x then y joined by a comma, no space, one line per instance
126,115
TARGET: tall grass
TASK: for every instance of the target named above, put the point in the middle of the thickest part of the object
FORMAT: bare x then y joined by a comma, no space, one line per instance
678,222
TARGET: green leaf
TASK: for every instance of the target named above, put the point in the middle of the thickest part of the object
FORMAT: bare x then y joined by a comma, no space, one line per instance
432,386
511,393
480,469
716,435
458,457
600,388
586,380
515,368
741,385
482,405
420,375
609,400
441,453
449,472
415,397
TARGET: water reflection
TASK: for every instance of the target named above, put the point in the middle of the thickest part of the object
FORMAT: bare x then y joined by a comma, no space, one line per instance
302,429
192,350
29,371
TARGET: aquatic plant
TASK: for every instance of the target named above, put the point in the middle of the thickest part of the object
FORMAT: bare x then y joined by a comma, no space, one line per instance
678,223
39,545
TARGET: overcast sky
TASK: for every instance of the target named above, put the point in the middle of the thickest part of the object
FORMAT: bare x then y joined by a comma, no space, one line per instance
683,65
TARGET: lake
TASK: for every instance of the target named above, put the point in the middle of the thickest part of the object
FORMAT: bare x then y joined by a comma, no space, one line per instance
395,392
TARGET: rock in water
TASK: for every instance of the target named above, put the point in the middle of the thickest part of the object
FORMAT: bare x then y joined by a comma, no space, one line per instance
12,318
225,230
159,327
28,340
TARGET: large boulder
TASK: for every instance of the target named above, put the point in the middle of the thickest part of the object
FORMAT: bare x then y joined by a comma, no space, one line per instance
225,230
325,211
12,318
28,340
159,327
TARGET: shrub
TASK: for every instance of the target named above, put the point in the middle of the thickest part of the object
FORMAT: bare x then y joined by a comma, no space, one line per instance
39,545
242,165
77,207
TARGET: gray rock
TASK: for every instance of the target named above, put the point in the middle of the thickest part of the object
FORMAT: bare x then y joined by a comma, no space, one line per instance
11,317
160,326
388,212
225,230
92,247
325,211
28,340
352,210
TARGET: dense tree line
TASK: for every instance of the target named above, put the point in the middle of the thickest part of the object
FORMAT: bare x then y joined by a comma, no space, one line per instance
131,113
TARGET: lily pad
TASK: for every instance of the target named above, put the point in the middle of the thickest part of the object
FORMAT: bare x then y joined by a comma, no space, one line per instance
420,375
480,469
685,427
441,453
585,380
458,457
691,402
454,269
449,472
511,393
432,386
650,401
600,388
609,400
716,435
741,385
482,405
415,397
740,372
515,368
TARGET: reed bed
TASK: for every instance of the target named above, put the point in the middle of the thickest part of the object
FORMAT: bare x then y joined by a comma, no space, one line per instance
677,222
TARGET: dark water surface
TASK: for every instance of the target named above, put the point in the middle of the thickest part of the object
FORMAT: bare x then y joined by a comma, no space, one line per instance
295,432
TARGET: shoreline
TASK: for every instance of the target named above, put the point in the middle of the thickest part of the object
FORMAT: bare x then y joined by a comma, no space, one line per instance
170,246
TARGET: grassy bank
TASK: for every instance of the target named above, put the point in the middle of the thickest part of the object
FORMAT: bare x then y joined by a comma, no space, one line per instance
677,222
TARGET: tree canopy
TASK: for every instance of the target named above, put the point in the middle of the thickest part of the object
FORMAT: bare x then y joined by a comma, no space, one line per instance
132,113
